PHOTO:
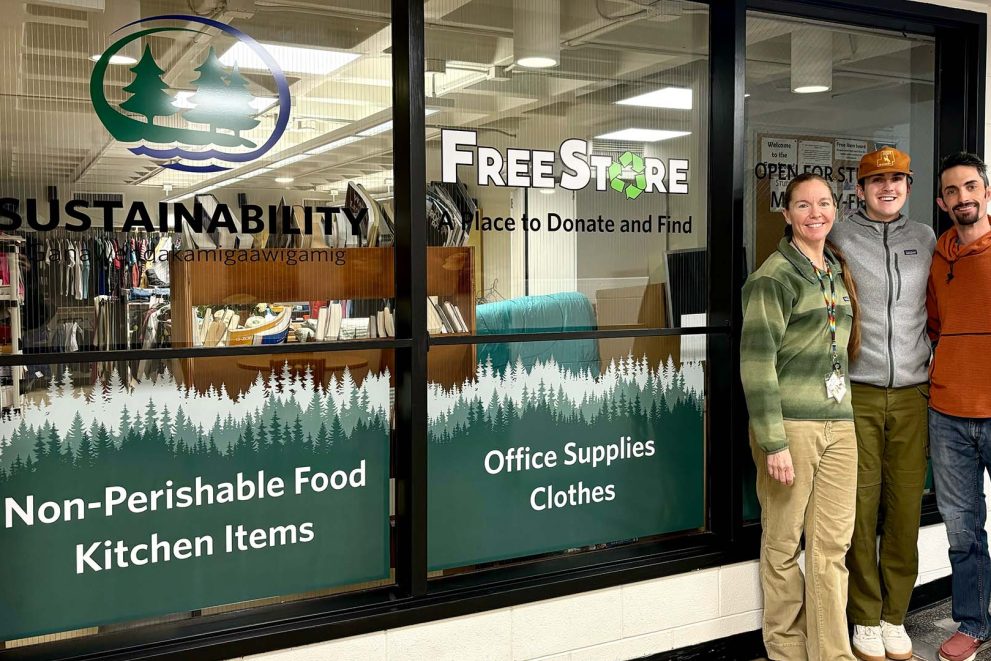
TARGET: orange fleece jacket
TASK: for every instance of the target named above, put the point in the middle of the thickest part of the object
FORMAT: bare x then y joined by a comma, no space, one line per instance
959,306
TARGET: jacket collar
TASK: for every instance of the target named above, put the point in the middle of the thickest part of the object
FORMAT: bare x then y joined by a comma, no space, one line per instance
948,247
860,218
802,264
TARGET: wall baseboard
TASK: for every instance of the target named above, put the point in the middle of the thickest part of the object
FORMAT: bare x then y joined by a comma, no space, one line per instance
749,645
927,594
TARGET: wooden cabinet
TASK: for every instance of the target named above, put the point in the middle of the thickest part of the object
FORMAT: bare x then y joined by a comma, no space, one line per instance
11,299
216,278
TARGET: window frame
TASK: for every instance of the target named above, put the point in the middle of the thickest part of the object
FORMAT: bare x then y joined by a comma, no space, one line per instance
960,37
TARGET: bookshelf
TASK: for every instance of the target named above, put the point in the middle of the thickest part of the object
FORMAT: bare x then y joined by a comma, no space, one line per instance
10,297
201,277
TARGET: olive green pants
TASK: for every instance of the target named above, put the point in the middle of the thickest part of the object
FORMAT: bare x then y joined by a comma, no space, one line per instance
803,616
892,438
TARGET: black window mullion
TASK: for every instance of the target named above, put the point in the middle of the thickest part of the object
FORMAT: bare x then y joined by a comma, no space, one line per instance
727,416
960,43
411,277
959,124
960,90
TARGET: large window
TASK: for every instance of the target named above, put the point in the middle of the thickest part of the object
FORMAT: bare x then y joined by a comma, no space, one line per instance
175,181
569,143
819,96
276,366
223,163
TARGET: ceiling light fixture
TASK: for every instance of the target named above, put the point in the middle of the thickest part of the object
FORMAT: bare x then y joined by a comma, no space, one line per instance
291,58
322,149
537,33
387,126
258,103
375,130
100,28
811,60
115,59
343,102
288,161
642,135
679,98
255,173
284,180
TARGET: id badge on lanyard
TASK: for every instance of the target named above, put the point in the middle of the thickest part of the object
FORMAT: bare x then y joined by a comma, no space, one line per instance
835,383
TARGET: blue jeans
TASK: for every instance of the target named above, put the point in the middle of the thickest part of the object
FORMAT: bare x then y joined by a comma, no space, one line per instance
961,451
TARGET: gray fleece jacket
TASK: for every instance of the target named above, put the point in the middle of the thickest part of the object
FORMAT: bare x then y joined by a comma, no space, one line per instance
890,266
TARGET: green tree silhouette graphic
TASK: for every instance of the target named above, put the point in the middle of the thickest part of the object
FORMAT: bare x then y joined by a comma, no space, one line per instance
211,93
238,115
148,97
222,100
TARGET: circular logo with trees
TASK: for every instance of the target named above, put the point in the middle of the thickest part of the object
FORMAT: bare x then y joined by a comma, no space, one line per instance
204,133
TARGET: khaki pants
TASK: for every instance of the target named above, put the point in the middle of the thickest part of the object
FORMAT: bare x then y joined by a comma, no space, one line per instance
805,619
892,433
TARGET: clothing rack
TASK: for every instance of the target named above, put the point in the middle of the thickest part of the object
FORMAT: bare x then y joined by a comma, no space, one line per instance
72,270
138,303
155,330
12,297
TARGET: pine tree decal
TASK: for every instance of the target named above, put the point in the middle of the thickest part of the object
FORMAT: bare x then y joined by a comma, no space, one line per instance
238,111
211,93
148,96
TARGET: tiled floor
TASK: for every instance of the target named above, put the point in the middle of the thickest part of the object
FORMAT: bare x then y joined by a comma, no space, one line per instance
928,628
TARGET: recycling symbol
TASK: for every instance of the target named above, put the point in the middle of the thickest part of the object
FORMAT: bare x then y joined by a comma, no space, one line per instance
628,162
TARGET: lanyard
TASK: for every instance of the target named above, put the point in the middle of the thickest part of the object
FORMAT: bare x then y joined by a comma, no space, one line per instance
830,300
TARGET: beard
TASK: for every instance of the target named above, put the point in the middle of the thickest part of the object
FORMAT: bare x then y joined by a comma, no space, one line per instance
967,215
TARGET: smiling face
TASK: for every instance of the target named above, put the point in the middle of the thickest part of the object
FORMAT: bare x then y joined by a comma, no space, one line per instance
810,213
884,195
963,195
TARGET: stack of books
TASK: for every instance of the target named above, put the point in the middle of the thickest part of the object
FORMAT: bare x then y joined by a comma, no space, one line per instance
350,320
444,317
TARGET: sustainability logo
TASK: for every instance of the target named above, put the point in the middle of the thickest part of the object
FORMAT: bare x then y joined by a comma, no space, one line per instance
209,133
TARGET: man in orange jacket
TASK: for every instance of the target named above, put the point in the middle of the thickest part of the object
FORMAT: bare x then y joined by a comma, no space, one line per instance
958,302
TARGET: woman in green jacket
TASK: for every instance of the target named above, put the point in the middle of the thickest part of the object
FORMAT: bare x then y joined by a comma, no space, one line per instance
798,322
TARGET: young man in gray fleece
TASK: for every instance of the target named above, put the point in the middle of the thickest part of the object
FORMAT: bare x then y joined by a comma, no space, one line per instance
889,257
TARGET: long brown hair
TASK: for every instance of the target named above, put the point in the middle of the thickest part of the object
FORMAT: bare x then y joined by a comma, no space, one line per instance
853,347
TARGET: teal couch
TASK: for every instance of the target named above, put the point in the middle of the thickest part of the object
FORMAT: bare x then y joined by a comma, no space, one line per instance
568,311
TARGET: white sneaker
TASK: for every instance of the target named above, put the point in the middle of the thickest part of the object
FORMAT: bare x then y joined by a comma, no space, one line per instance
867,644
897,644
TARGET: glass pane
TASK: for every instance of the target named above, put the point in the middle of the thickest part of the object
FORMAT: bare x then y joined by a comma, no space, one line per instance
819,96
219,481
566,146
559,447
239,165
879,91
183,182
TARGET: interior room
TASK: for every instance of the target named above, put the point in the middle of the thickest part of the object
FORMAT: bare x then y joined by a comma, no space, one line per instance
611,84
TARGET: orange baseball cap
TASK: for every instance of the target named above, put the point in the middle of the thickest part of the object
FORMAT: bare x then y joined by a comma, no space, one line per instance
884,160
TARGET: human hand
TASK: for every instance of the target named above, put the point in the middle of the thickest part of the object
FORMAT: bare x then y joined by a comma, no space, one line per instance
780,468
